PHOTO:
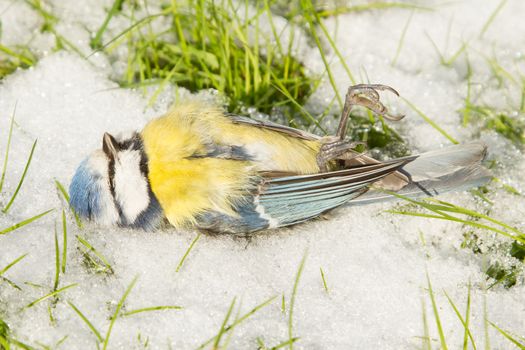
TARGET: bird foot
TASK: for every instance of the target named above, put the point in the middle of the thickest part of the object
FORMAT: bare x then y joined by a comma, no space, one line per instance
365,95
332,149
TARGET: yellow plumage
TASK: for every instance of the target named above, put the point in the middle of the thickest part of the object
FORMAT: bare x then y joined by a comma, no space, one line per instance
187,185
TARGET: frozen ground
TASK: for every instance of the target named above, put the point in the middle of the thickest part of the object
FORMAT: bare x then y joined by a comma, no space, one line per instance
374,262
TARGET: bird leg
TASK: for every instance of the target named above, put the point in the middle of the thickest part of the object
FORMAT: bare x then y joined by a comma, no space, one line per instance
365,95
333,148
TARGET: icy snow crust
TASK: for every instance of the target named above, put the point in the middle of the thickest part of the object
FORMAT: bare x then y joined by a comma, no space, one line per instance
374,262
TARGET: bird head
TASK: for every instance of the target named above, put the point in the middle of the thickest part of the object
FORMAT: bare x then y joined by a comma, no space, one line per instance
111,185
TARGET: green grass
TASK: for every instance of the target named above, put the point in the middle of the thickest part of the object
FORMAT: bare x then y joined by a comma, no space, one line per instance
219,45
93,258
207,46
470,340
13,58
179,266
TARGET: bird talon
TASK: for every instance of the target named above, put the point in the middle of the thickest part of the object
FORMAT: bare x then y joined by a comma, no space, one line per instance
365,95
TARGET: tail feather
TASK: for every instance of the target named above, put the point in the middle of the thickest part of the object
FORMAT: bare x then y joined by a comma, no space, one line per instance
454,168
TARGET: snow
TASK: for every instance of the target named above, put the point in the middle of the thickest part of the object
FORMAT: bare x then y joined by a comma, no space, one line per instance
375,263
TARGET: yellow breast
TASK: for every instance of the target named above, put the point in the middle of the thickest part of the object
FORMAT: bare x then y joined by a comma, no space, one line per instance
187,182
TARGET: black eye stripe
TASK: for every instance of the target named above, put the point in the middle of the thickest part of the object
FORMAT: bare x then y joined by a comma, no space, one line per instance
111,176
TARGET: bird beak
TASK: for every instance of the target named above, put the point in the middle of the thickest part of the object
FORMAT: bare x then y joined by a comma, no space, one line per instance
110,146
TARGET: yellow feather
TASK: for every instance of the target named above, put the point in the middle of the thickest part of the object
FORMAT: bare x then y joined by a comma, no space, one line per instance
186,185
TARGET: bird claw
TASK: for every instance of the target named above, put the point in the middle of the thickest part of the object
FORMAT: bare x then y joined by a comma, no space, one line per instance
366,95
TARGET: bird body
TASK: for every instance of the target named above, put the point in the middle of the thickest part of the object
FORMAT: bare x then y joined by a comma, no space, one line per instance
199,167
201,160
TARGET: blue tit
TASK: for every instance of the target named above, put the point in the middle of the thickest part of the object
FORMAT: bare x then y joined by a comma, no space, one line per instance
200,167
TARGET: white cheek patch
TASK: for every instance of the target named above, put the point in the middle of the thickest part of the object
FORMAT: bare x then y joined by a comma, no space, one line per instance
108,213
131,188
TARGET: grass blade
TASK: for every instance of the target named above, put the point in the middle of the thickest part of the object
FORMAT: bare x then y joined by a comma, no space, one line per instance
6,157
430,121
239,321
64,242
11,264
187,252
64,193
90,248
151,308
57,261
492,17
509,337
223,325
24,222
21,179
96,42
49,295
324,280
402,39
86,321
465,322
436,315
117,312
292,300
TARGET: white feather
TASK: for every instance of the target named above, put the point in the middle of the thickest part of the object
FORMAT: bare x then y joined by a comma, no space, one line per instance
131,188
272,222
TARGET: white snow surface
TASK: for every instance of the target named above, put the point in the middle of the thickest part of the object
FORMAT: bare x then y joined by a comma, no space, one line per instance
374,262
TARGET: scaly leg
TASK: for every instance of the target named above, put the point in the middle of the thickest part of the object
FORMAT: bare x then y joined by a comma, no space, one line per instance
365,95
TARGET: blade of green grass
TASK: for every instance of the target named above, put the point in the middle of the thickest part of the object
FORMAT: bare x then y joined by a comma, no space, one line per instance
308,10
64,242
187,252
151,308
6,157
402,39
464,322
90,248
12,263
430,121
49,295
292,300
96,42
324,280
509,337
379,5
117,312
57,261
426,331
21,179
238,321
24,222
492,17
64,193
436,315
223,325
87,322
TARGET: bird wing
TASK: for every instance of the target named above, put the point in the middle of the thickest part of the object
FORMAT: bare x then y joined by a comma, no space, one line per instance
287,200
282,199
237,119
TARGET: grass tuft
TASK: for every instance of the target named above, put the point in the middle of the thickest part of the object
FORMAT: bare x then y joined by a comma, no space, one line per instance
208,46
